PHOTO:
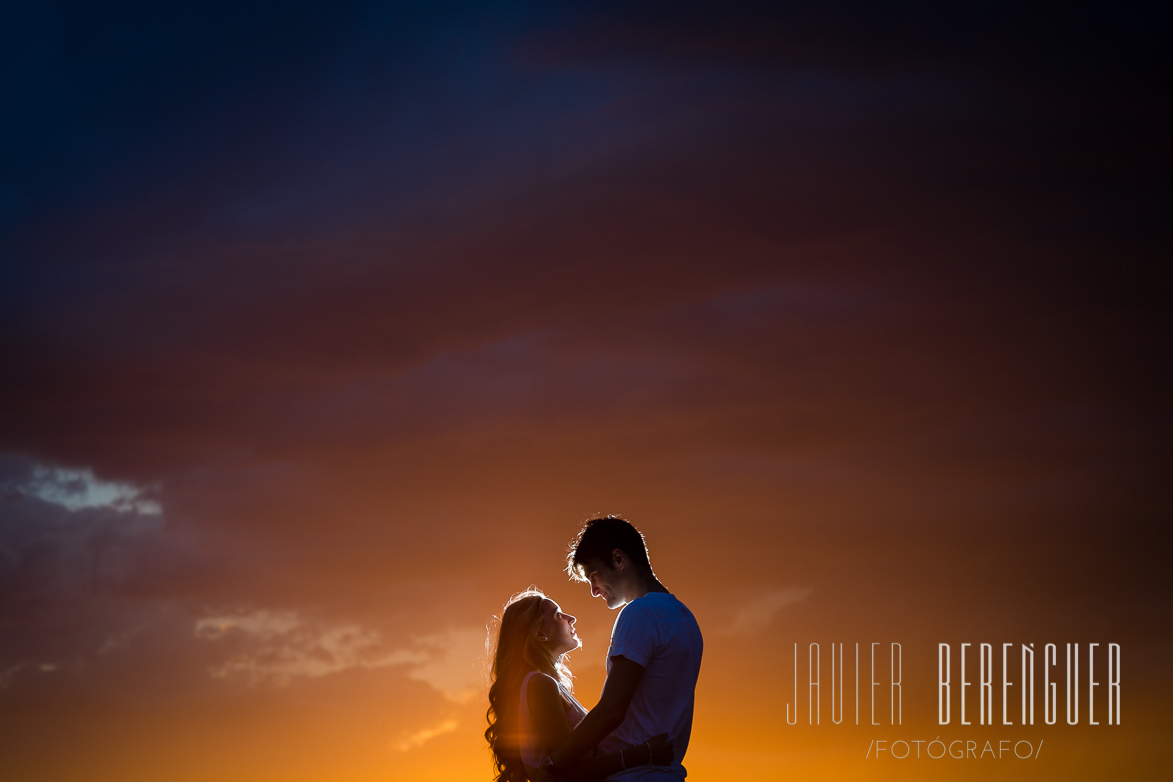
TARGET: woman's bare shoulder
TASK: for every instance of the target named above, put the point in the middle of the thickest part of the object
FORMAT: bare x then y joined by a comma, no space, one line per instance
543,688
544,683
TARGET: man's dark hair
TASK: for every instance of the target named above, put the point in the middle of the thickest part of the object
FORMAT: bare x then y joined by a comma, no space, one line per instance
598,538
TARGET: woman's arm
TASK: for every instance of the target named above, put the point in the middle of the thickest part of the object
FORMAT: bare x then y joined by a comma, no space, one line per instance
549,719
597,767
548,711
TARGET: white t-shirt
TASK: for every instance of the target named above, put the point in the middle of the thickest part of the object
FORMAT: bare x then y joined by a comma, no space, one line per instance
658,632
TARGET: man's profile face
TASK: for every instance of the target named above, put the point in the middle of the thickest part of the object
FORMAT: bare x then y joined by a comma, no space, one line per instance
605,582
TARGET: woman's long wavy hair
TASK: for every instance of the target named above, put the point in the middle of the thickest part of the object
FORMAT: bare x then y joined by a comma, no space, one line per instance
517,652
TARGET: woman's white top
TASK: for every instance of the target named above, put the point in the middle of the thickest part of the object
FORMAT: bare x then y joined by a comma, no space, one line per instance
531,753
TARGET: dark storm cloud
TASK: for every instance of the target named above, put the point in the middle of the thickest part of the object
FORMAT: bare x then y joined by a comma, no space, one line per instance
385,227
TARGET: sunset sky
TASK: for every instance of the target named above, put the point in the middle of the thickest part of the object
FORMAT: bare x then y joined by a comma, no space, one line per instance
324,326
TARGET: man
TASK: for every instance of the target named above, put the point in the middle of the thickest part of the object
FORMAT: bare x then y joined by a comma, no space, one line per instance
654,659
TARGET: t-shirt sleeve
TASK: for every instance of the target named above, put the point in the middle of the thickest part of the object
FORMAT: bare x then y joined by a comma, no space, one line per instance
634,636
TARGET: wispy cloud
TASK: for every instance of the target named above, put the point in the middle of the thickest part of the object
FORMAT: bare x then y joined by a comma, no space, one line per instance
75,489
758,612
282,646
453,662
415,739
8,674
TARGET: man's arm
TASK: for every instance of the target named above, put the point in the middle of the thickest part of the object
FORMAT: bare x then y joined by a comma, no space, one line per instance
618,690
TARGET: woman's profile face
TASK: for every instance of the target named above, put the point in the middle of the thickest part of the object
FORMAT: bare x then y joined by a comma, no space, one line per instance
558,629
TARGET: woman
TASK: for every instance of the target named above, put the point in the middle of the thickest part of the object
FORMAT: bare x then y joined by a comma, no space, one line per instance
531,708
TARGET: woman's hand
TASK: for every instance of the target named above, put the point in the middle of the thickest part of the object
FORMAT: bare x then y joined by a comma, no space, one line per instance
663,752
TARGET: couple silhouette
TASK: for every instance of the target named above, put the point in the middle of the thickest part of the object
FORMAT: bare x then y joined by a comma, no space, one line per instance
639,730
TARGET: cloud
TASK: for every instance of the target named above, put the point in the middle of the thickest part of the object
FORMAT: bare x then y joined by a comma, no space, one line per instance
75,489
410,741
755,614
66,535
260,624
452,662
8,674
279,647
88,570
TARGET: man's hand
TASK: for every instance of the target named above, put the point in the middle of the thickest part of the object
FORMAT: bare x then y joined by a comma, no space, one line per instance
663,751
